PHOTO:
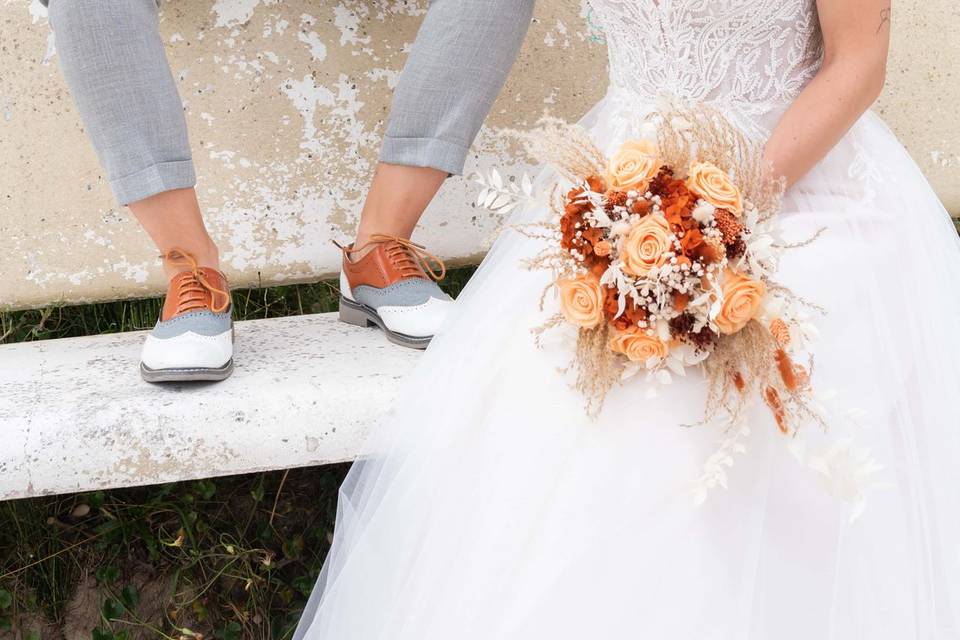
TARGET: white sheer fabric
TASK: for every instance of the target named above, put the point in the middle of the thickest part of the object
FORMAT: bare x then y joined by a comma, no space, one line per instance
489,506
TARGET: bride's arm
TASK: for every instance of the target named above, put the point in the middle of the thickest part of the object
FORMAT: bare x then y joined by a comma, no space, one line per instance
856,36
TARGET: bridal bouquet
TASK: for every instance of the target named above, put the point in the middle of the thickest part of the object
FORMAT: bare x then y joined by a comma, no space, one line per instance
664,257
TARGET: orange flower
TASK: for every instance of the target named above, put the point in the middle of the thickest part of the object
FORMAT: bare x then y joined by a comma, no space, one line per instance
632,314
677,203
615,199
691,242
709,250
742,298
641,207
739,382
728,225
716,187
633,166
577,234
645,244
772,398
638,346
597,184
581,301
787,372
602,248
780,332
680,301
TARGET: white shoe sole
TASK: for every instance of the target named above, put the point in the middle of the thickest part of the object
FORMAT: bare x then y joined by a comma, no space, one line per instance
190,374
363,316
187,374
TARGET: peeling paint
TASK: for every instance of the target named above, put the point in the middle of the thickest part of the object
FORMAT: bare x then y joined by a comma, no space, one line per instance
306,97
37,11
312,39
392,76
348,22
231,13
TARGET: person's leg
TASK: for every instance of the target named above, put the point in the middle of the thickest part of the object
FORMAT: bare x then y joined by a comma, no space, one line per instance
173,220
398,196
113,60
459,62
458,65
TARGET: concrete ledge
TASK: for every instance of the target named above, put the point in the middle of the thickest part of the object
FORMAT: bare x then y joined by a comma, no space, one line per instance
77,417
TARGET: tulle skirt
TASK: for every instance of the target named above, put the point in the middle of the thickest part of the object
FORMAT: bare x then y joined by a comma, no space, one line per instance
489,506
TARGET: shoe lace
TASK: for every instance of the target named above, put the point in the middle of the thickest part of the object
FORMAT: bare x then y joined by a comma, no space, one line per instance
408,257
192,291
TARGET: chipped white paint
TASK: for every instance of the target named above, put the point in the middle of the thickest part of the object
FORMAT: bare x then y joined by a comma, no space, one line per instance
286,103
312,39
37,11
76,415
231,13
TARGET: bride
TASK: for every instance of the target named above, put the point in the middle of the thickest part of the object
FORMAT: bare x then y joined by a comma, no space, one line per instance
489,506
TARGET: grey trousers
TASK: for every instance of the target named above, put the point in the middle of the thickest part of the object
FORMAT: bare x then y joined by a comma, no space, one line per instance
113,59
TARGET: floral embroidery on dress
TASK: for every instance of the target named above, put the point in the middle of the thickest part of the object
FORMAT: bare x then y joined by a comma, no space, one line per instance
864,170
750,56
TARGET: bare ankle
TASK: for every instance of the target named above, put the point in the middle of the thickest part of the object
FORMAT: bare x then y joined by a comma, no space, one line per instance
205,253
364,236
397,198
361,243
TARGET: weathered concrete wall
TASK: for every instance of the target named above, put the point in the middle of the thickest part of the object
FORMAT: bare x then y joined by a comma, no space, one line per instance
286,103
923,90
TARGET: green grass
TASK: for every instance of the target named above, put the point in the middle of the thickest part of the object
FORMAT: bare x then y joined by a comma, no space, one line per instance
133,315
224,558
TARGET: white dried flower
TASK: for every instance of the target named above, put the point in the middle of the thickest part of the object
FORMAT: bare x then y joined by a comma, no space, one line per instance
704,212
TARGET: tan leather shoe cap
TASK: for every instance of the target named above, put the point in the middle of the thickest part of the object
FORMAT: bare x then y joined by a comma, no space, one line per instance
389,260
195,289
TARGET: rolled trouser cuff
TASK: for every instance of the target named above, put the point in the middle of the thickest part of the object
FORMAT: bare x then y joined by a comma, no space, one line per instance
425,152
157,178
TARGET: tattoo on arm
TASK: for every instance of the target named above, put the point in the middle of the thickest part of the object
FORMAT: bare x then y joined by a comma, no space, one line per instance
884,18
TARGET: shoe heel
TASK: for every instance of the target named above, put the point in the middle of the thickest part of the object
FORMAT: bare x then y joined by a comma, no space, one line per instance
350,315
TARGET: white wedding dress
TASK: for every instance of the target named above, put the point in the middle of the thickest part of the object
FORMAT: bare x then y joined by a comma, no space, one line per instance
489,507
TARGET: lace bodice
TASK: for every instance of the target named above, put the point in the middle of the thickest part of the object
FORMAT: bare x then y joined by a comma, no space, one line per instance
751,56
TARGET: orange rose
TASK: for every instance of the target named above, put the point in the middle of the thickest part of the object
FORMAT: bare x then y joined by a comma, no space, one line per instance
633,166
581,301
638,346
742,298
645,244
716,187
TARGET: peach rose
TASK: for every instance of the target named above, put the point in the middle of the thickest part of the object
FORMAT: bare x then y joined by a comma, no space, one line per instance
644,245
742,298
638,346
581,301
633,166
716,187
